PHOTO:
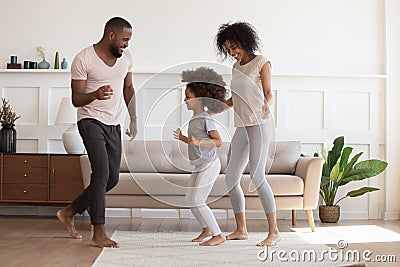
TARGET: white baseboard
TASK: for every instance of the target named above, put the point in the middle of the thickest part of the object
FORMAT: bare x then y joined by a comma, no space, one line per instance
185,213
119,212
218,213
31,211
160,213
391,215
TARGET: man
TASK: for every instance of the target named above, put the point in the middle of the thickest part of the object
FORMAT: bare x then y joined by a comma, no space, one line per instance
101,79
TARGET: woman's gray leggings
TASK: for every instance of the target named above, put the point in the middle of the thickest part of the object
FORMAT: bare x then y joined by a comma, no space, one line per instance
249,144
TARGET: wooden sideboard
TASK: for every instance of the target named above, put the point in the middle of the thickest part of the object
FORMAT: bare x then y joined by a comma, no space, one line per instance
40,178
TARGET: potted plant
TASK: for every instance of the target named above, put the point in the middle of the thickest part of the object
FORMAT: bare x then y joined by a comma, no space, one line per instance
8,135
338,171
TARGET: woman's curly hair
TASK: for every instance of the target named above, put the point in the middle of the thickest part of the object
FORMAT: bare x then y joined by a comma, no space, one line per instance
239,32
208,85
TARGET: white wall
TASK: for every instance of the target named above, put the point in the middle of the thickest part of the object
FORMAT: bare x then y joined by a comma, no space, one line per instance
300,37
330,61
392,204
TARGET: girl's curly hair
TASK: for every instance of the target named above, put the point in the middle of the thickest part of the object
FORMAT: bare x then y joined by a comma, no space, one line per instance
208,85
239,32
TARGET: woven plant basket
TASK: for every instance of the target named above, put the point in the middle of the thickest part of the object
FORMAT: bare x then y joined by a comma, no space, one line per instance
329,214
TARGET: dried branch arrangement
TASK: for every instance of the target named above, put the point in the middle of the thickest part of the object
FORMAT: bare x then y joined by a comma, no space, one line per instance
7,116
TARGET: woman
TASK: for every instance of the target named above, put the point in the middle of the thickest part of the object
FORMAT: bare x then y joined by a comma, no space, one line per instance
251,94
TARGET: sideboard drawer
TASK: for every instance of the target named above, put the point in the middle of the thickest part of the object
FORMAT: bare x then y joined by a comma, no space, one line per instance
25,175
25,161
27,192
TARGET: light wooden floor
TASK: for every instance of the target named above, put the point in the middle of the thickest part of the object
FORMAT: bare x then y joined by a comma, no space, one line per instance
43,241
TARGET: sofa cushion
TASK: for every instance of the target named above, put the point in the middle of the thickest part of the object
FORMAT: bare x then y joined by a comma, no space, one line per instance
281,185
283,158
172,157
286,155
155,156
151,184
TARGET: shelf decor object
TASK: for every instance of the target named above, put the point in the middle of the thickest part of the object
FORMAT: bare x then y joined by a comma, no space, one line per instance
14,63
72,141
57,61
64,64
41,52
8,134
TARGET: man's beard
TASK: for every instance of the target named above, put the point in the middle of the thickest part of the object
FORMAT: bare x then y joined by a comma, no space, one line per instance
115,51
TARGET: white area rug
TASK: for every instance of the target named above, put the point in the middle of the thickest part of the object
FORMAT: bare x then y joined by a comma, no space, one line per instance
349,234
175,249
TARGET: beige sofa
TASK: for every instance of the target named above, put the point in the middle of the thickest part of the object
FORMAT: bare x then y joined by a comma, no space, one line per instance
154,174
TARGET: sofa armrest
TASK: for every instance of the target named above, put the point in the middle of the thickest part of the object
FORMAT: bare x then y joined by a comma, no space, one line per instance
310,169
86,170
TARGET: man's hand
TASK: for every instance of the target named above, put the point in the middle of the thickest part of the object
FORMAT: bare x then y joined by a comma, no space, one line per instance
132,131
104,92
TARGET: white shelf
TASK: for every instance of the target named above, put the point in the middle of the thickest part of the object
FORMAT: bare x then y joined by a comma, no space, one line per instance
374,76
306,75
34,71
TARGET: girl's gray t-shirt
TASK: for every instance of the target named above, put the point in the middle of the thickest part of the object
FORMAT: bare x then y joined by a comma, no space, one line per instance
199,126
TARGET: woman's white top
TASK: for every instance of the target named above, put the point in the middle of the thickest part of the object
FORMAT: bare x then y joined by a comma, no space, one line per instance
247,92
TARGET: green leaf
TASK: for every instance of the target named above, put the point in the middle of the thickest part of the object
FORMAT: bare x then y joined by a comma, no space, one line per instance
345,157
335,172
361,191
374,164
325,180
326,170
334,154
357,175
350,165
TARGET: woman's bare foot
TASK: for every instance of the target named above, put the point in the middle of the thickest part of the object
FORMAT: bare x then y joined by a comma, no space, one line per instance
238,235
68,221
206,233
100,239
271,240
215,240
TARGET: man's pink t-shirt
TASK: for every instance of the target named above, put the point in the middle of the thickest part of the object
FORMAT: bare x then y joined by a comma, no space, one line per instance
88,66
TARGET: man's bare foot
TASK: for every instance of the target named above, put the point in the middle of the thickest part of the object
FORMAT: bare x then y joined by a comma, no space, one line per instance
100,239
104,242
271,240
215,240
68,221
206,233
237,235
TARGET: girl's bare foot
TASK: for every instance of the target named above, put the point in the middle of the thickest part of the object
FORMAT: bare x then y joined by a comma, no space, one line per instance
271,240
215,240
237,235
68,221
206,233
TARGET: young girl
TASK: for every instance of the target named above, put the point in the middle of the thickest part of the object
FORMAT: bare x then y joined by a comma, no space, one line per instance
205,88
251,94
